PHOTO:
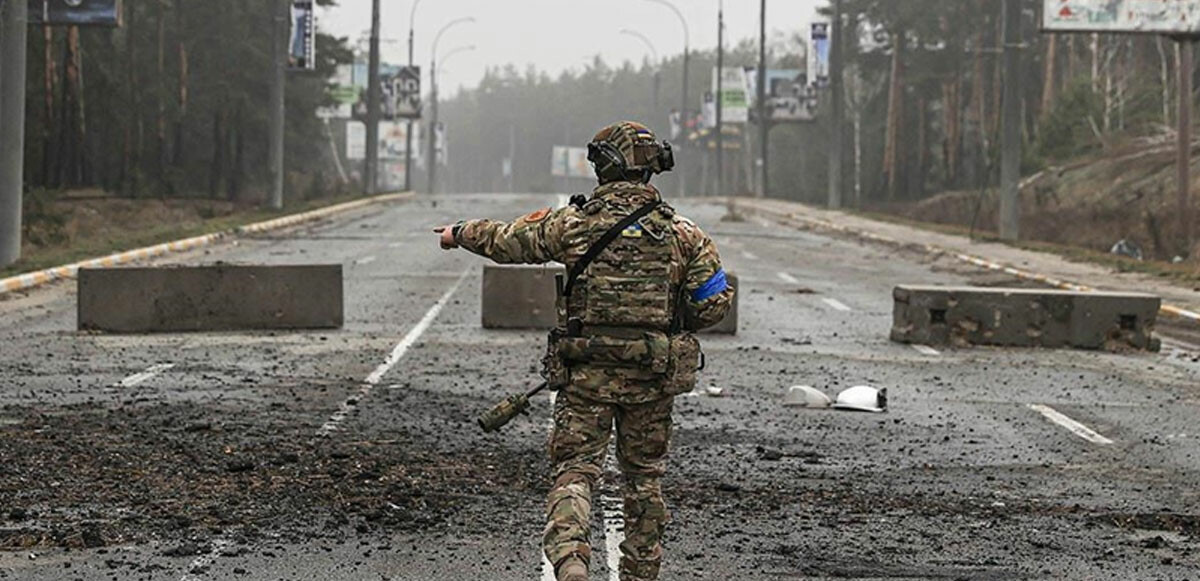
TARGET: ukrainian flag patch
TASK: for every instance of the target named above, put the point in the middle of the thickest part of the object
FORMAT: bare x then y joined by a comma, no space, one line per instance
633,231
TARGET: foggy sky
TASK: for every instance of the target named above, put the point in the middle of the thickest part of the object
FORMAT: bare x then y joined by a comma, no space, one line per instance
554,35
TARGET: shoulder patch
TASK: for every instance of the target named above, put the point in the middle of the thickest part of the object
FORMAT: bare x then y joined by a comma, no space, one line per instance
538,215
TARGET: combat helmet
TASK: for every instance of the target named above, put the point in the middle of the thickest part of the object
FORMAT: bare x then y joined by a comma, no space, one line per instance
629,151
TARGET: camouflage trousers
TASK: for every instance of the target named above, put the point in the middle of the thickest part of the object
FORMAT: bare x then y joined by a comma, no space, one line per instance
578,445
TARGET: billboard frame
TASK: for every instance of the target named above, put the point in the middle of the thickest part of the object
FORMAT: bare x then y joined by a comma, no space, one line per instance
1184,13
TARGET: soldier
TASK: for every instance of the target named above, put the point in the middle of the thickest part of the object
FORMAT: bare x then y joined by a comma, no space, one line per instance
642,279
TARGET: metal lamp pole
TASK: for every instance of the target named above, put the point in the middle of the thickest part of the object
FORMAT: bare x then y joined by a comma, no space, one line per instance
432,138
371,175
720,101
687,42
412,17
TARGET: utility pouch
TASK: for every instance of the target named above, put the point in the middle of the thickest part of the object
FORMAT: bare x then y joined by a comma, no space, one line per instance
554,368
685,361
652,352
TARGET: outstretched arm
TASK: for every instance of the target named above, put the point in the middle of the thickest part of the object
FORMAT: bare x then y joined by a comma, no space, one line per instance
535,238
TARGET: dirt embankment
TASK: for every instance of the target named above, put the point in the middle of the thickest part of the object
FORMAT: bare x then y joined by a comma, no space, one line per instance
1128,194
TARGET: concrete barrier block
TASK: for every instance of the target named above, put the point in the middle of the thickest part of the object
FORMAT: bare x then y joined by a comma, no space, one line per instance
210,298
519,297
1024,317
522,297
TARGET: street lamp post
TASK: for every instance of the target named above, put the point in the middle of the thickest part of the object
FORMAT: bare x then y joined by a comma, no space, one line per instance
653,51
433,62
412,17
371,169
683,115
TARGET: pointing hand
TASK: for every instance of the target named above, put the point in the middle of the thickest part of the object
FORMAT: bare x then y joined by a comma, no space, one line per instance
446,235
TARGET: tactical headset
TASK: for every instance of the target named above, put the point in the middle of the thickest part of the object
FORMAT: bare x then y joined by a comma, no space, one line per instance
611,164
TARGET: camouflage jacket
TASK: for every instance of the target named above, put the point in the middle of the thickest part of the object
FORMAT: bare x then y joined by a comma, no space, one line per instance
564,236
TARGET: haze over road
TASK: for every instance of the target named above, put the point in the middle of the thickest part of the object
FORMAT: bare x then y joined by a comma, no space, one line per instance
353,454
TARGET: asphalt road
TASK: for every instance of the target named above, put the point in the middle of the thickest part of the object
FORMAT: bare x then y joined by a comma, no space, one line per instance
268,456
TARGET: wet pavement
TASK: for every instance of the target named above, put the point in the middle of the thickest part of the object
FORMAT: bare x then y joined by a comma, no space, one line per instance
353,454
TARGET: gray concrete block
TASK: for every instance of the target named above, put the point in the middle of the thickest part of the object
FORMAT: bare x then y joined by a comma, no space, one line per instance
210,298
519,297
1024,317
522,297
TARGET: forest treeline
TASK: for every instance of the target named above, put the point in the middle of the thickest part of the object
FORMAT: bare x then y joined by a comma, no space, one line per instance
173,103
923,90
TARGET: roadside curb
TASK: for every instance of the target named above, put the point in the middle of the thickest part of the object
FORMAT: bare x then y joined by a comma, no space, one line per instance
37,278
1169,310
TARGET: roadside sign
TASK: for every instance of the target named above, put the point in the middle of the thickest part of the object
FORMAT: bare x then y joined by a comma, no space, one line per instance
75,12
1147,16
406,90
570,162
735,94
302,43
819,55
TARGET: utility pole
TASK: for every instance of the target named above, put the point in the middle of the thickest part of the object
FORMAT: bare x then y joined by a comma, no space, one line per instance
408,137
14,16
720,136
837,94
1183,177
764,124
279,43
1010,138
431,161
371,173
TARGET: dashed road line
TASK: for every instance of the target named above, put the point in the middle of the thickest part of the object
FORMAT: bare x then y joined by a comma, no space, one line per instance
144,376
837,305
614,530
785,277
365,260
203,562
1071,425
926,350
393,358
749,255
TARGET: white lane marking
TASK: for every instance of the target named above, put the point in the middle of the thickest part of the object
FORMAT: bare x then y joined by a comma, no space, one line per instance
144,376
393,358
614,519
836,304
1073,426
785,277
203,562
749,255
365,260
614,533
926,350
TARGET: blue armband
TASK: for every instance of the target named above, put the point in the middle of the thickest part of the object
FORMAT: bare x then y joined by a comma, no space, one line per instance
715,286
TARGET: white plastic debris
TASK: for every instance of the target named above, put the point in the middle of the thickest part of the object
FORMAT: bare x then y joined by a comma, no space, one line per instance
862,398
713,391
806,396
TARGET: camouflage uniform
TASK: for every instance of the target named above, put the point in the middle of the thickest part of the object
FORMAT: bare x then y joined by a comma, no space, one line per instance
603,389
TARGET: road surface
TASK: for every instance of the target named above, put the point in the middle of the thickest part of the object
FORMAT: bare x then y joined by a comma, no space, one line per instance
353,454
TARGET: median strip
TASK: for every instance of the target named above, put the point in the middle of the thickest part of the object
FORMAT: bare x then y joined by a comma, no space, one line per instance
38,278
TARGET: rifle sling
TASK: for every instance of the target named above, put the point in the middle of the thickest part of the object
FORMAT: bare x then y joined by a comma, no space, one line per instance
604,241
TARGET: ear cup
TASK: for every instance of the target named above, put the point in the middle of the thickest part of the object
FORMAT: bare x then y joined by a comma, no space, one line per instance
610,164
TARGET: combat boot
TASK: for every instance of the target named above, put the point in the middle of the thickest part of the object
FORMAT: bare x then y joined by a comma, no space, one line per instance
573,568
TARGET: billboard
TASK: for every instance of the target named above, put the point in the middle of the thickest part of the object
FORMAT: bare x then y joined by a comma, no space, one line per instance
302,42
570,162
405,92
1148,16
393,140
75,12
818,57
344,94
790,98
735,94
